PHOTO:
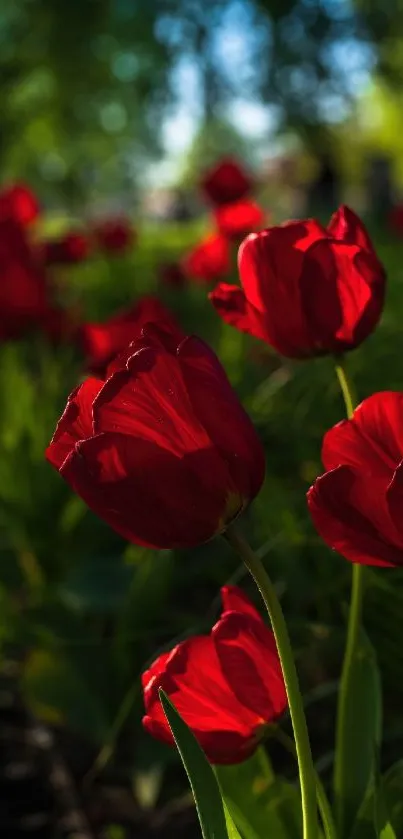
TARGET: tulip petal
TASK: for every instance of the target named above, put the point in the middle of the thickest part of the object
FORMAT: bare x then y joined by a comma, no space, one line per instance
372,440
233,307
350,513
76,422
346,226
235,600
343,310
222,747
147,494
193,679
222,416
249,661
103,341
150,401
154,671
270,267
394,497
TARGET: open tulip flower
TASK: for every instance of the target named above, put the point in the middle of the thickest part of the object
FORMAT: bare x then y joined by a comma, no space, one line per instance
307,290
357,504
227,686
101,342
225,182
162,450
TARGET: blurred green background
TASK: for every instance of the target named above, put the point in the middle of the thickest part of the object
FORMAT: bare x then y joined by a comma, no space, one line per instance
118,106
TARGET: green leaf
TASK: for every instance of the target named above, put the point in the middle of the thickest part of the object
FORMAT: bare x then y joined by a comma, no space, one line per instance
390,799
393,792
231,827
359,741
384,829
205,789
260,804
364,827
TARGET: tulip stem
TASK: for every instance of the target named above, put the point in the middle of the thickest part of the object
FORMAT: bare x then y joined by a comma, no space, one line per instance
304,755
323,801
353,634
345,387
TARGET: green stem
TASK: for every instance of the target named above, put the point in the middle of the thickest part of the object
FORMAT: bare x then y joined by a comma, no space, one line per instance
304,756
353,634
345,387
323,801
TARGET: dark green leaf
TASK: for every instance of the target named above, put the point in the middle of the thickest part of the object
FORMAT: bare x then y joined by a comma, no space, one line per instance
205,789
260,804
357,747
391,802
384,829
393,793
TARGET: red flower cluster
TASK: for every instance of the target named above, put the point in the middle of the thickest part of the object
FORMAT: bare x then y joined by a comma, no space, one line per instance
227,686
101,342
357,504
162,450
226,186
307,290
25,294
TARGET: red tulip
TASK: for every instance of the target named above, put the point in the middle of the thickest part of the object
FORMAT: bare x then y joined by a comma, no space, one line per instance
101,342
209,260
68,249
114,235
238,219
162,450
23,293
226,182
19,203
227,686
307,290
357,504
